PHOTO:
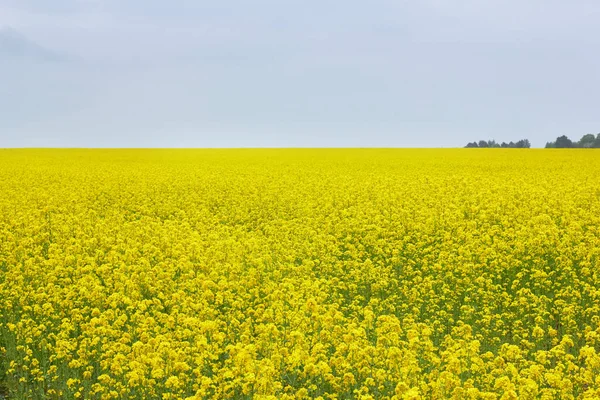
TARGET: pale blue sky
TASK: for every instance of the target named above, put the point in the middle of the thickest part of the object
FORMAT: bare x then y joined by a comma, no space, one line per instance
266,73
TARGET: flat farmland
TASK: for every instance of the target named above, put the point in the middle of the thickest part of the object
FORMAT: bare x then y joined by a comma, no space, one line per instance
300,273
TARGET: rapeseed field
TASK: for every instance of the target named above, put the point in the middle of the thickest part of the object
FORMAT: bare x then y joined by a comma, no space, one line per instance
297,274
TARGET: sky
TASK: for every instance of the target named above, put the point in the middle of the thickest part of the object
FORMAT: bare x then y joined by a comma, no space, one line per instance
287,73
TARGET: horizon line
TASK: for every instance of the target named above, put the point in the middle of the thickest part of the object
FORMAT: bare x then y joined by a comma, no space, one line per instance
268,148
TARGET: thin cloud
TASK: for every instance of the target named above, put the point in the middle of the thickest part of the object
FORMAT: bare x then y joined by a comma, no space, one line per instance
16,46
232,72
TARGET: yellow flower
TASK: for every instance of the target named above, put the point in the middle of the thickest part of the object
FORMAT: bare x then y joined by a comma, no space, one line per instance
172,382
300,273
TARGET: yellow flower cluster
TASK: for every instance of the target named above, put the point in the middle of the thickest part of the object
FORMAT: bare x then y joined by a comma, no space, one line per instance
296,274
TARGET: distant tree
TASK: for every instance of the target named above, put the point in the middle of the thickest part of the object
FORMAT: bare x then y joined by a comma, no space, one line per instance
523,144
550,145
597,142
563,142
586,141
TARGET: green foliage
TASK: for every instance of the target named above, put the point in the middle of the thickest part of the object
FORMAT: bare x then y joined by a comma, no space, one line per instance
597,142
521,144
587,141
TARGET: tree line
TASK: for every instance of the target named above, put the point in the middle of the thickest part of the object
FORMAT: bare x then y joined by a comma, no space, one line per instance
521,144
588,141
